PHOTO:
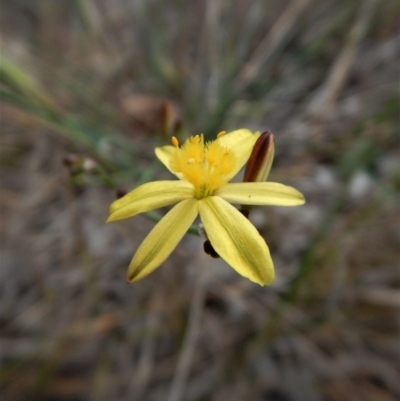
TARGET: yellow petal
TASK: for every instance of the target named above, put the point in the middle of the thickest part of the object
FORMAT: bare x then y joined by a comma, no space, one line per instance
149,196
163,239
236,240
165,154
237,137
241,143
260,193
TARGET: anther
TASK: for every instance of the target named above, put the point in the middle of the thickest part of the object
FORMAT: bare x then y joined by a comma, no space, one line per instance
175,142
221,134
195,139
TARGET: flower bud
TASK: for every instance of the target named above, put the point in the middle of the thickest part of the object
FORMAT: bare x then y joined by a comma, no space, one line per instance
71,159
73,163
79,164
259,164
171,122
89,166
120,192
208,248
261,158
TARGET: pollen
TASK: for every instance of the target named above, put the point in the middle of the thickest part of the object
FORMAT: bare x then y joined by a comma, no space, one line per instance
207,166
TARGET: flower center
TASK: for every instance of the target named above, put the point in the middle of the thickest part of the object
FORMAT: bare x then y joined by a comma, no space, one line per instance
205,165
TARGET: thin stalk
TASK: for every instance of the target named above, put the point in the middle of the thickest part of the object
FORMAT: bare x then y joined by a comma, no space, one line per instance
193,327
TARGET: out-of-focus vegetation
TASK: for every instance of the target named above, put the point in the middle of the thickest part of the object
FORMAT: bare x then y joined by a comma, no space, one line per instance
88,89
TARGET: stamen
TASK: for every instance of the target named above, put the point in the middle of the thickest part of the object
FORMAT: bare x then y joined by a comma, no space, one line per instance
221,134
205,165
195,139
175,142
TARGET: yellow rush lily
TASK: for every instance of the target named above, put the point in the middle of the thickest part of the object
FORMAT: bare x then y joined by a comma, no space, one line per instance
204,171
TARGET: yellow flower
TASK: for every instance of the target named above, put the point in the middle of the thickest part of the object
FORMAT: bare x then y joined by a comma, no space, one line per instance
204,171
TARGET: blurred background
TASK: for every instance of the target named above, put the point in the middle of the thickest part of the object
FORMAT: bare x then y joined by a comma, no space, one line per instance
88,89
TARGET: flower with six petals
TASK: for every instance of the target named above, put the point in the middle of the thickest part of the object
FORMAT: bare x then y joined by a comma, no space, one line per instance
204,171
